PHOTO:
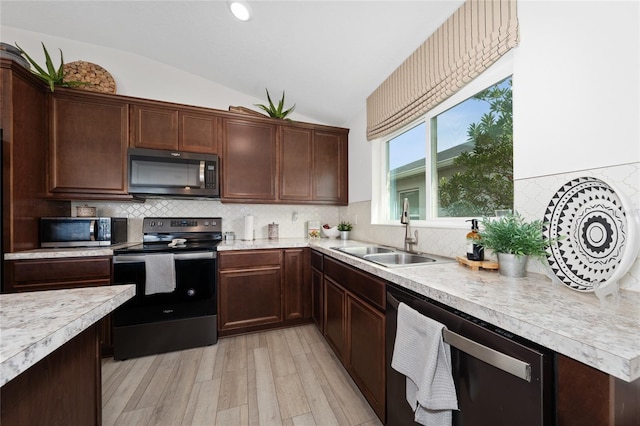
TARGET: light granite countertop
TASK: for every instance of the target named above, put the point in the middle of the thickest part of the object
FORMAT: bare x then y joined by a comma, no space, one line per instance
34,324
604,336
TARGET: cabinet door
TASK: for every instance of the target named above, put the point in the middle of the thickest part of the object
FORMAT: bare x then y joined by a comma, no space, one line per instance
335,317
295,164
154,127
366,352
249,161
297,297
249,297
88,147
317,298
198,132
330,167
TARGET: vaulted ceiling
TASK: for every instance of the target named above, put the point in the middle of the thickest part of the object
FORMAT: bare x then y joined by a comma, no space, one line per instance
327,55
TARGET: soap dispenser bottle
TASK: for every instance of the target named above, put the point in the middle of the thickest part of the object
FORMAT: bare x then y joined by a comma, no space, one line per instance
474,250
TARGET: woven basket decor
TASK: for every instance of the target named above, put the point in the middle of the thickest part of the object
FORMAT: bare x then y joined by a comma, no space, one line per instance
98,78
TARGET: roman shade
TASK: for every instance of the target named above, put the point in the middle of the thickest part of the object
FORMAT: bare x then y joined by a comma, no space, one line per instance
466,44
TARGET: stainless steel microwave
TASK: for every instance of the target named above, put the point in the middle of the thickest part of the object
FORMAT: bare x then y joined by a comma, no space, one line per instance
82,231
172,173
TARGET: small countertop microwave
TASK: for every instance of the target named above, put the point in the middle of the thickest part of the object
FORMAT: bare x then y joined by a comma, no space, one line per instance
172,173
82,231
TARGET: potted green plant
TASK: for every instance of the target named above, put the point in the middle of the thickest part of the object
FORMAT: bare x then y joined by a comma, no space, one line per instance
345,228
276,112
52,76
513,239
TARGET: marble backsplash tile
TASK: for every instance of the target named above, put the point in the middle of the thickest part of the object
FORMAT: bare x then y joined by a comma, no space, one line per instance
532,195
291,218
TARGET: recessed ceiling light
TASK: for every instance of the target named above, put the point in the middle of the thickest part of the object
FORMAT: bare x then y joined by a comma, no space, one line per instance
240,9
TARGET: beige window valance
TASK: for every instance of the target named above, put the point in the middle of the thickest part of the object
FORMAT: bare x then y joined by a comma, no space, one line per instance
472,39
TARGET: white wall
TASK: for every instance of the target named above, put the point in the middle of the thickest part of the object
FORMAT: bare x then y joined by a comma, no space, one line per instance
576,86
576,91
576,100
136,75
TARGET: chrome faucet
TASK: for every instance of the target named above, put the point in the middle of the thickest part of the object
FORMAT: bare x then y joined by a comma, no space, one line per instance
409,241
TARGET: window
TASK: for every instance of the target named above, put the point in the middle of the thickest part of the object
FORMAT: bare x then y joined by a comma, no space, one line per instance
457,161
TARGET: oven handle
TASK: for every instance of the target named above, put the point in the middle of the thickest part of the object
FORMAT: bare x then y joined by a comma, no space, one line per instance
479,351
139,258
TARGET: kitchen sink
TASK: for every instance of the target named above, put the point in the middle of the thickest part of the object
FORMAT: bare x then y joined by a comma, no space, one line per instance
361,251
398,258
390,257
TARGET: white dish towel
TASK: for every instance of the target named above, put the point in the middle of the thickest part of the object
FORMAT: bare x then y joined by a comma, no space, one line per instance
421,355
160,273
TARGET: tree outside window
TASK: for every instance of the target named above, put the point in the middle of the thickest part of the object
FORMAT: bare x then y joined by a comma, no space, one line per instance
470,168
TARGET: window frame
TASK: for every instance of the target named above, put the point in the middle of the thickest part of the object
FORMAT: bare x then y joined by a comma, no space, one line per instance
380,213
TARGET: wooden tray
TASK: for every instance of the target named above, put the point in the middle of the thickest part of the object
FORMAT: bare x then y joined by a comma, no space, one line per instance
476,265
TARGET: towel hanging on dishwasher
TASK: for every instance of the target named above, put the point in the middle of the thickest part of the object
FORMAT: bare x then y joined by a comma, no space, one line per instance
425,359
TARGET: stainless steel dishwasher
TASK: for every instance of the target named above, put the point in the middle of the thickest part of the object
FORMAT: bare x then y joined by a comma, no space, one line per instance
500,379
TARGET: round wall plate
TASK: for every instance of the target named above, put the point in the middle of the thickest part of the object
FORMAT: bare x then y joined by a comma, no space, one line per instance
597,238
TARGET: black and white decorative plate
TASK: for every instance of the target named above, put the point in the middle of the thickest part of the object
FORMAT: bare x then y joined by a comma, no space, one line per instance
589,218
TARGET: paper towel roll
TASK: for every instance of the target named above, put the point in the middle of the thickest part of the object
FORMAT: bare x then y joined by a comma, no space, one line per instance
248,228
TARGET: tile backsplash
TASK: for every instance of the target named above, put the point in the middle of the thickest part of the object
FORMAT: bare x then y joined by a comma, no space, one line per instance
291,218
532,195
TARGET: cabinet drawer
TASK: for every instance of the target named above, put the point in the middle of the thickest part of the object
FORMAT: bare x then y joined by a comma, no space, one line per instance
68,269
361,284
249,259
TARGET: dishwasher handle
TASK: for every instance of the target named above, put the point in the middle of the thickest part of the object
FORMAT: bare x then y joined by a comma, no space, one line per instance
479,351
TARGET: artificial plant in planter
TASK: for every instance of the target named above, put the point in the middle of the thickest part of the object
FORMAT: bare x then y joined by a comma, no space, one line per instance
513,240
52,76
276,111
344,228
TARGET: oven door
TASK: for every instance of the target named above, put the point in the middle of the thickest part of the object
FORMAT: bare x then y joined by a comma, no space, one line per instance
194,296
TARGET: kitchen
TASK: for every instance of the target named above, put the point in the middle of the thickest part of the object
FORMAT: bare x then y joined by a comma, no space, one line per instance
544,156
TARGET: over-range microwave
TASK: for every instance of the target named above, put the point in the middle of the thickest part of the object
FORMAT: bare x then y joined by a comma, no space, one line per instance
171,173
82,231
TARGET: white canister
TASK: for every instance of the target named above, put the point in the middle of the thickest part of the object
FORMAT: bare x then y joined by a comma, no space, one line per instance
273,231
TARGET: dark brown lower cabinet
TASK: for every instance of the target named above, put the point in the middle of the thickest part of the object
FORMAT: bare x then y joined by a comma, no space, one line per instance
366,350
317,290
335,316
250,298
62,389
262,289
63,273
296,289
586,396
354,327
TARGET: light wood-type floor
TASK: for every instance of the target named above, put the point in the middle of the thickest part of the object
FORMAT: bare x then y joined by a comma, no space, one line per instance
281,377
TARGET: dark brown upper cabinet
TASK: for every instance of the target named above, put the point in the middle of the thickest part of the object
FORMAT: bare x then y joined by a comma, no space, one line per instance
88,145
249,161
284,162
330,167
313,165
175,128
296,155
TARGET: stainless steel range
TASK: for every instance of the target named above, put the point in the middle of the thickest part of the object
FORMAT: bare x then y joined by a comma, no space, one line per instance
174,271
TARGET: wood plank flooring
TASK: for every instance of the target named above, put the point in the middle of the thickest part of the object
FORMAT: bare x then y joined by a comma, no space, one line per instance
284,377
